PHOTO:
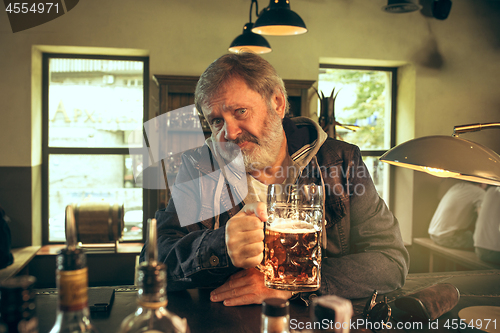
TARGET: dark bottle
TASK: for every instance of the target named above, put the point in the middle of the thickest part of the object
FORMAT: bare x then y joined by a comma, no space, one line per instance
275,316
331,313
73,314
152,315
17,305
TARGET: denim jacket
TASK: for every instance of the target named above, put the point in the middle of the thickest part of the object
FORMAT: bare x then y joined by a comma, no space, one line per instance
364,250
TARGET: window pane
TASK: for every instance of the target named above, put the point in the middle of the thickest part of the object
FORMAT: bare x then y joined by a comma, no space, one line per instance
94,103
380,174
75,178
363,100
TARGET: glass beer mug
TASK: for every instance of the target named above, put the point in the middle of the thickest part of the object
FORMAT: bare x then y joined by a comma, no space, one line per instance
292,242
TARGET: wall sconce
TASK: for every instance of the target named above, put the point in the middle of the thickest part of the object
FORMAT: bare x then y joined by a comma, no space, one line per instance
278,19
449,156
249,41
401,6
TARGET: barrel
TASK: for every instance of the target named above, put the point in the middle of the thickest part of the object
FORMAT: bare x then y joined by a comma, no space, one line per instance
98,221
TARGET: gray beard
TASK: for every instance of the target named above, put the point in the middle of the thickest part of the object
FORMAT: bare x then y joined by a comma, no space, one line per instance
265,151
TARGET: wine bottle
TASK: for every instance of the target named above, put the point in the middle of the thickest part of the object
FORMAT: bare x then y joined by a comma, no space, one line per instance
152,315
73,314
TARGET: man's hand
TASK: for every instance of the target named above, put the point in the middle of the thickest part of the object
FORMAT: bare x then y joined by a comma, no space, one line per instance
245,235
246,287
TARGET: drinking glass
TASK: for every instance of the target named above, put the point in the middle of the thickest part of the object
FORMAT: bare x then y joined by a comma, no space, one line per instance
292,242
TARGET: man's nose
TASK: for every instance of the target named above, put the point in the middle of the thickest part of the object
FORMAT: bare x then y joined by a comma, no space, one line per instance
231,129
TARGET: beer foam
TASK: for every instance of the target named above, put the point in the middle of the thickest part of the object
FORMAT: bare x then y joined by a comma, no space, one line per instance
291,226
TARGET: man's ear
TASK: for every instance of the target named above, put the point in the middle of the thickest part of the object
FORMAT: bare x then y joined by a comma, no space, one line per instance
279,103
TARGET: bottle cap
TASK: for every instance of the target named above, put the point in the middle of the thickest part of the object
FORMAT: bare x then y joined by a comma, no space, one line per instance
331,307
322,309
275,307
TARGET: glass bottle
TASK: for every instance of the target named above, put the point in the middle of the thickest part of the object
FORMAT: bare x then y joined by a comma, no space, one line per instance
17,305
152,315
275,316
73,314
333,312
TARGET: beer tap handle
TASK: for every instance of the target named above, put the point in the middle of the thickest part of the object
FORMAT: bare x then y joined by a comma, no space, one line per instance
152,249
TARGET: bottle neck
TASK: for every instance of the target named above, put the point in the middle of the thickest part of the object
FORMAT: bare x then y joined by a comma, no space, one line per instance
80,315
279,324
154,305
152,284
79,321
152,297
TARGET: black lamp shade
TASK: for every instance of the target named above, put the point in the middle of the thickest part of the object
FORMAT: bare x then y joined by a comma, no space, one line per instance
278,20
248,41
401,6
441,9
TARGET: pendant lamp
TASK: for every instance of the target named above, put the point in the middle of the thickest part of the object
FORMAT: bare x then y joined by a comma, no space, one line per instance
401,6
249,41
278,19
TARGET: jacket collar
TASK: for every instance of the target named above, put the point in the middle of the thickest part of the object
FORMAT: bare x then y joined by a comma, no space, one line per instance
306,138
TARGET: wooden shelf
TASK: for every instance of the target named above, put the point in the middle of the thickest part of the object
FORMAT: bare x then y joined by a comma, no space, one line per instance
463,258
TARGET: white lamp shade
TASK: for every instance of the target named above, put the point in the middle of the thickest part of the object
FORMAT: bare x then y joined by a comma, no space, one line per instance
447,156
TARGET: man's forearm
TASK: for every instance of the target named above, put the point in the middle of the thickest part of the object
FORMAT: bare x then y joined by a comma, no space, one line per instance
199,259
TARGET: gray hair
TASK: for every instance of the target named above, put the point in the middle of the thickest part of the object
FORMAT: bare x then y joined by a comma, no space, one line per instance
257,73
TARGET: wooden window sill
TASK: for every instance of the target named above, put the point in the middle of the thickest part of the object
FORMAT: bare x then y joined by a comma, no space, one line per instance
22,257
123,248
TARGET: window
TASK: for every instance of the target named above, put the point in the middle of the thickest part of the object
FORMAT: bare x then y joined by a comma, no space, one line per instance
91,104
365,105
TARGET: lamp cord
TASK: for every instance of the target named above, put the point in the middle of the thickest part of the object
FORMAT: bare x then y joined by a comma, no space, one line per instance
256,10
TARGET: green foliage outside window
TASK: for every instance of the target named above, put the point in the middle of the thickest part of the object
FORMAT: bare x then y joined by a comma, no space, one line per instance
367,93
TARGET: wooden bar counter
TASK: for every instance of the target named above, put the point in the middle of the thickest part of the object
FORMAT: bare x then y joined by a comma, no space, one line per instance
203,316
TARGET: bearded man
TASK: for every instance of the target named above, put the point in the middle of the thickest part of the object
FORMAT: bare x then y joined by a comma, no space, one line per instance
211,233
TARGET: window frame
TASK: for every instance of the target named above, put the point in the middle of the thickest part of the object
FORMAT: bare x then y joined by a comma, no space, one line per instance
394,94
47,151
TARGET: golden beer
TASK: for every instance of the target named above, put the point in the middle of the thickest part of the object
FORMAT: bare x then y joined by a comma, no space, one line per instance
292,257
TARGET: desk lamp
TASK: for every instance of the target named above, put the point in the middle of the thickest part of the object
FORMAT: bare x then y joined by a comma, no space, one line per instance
453,157
449,156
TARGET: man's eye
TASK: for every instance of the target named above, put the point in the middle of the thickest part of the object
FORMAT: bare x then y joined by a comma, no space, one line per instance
241,111
216,122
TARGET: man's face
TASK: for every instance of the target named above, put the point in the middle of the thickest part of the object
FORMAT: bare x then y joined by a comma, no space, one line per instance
241,118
